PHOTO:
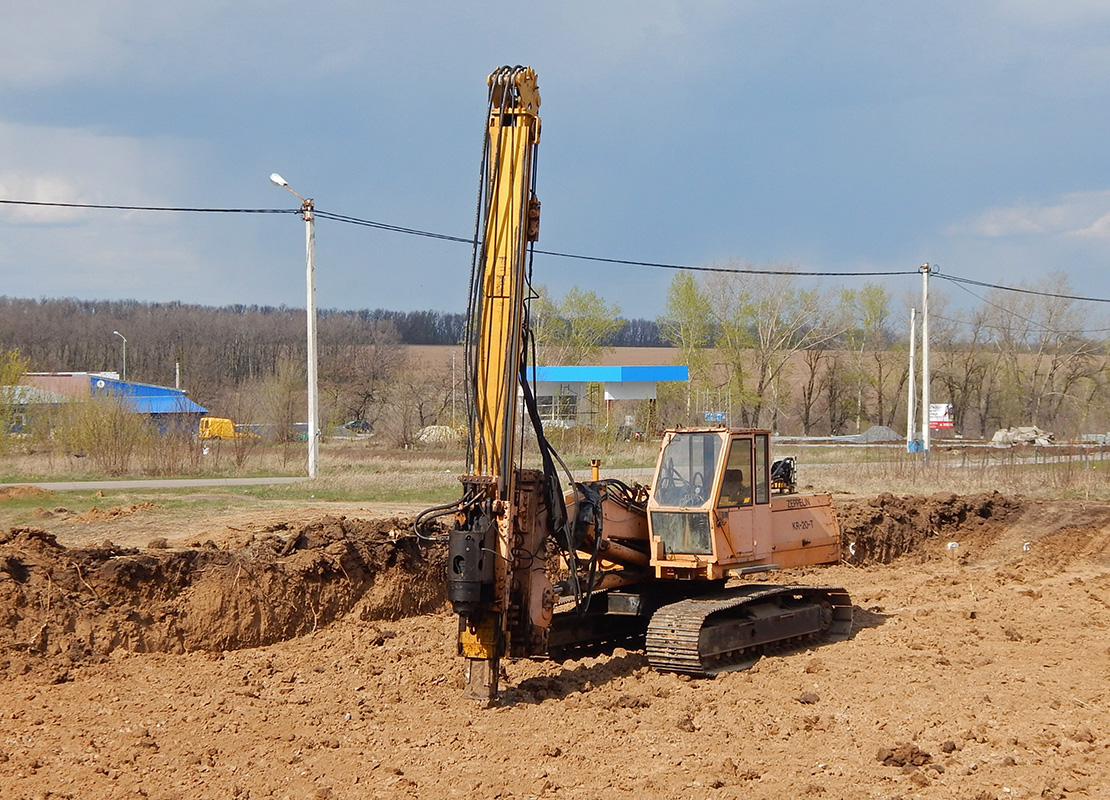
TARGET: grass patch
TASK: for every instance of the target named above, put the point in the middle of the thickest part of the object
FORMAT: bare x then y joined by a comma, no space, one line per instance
356,475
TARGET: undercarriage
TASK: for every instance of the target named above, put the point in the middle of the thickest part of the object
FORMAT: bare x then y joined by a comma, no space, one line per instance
717,629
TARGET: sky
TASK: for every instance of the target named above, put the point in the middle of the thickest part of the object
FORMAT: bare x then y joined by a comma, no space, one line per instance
851,136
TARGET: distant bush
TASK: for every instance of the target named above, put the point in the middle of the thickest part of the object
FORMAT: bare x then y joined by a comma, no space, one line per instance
105,430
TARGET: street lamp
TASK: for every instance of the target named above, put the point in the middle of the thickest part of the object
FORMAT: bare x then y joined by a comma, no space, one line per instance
120,335
307,213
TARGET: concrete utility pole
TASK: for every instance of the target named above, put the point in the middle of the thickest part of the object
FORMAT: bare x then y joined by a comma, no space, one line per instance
925,361
911,397
309,216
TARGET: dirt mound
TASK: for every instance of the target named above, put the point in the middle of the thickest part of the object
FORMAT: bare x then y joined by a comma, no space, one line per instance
22,492
880,529
80,603
94,514
74,604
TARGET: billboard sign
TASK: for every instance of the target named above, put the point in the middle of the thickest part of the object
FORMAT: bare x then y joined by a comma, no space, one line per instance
940,416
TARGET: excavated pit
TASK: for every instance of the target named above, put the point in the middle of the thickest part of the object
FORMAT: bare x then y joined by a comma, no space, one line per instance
877,530
972,670
82,603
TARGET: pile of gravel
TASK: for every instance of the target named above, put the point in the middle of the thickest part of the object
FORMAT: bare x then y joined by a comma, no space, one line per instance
880,433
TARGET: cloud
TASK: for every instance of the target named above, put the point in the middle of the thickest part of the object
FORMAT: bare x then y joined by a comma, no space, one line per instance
40,188
84,165
1099,229
1083,214
48,251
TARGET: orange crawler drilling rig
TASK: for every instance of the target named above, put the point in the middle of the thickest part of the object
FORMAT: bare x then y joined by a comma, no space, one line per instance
536,572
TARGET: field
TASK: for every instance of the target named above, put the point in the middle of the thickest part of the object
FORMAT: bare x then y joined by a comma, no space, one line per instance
222,645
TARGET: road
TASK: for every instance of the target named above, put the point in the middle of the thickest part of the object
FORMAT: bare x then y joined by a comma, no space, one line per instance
171,483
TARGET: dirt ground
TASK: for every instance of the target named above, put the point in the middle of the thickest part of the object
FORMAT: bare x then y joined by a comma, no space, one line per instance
311,657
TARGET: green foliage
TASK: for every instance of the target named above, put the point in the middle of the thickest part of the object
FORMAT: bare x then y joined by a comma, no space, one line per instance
104,429
688,324
12,368
575,330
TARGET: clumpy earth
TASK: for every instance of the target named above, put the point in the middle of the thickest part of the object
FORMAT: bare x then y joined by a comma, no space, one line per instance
315,659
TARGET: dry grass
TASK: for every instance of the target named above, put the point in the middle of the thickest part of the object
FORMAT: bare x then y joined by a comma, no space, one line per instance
1058,473
355,471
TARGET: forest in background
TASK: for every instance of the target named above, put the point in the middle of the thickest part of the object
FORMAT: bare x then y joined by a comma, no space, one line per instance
768,350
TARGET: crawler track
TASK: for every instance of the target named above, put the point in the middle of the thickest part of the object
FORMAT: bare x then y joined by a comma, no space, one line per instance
729,630
573,636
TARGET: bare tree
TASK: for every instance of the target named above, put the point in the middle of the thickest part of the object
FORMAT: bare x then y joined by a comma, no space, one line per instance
764,319
424,398
1048,360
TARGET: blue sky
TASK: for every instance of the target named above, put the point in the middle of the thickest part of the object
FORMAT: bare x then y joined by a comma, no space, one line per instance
830,136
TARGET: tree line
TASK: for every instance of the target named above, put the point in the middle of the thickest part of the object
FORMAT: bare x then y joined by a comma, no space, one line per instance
817,361
767,350
235,343
248,360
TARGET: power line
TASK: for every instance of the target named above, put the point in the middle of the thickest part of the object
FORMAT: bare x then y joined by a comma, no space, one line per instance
155,208
736,270
366,223
1012,313
350,220
599,259
957,279
994,327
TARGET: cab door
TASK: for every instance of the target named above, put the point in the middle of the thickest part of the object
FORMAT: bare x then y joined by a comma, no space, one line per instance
761,510
733,509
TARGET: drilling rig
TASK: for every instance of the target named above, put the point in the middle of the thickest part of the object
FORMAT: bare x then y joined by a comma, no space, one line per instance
536,572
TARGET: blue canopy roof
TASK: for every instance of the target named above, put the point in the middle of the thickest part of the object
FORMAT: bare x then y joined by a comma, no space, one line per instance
610,374
146,398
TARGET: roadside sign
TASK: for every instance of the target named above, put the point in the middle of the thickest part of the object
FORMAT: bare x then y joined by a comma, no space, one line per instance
940,416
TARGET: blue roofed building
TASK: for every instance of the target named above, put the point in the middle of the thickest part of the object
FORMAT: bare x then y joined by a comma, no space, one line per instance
168,407
590,395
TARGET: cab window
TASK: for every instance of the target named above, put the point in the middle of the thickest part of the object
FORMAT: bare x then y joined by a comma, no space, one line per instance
762,487
687,469
736,483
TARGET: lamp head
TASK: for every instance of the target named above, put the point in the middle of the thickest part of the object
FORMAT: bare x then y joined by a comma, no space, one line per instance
277,180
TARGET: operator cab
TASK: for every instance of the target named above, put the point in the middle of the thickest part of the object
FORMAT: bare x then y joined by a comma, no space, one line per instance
710,495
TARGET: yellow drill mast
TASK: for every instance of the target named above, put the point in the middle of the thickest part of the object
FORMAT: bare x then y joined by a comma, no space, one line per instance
509,222
504,601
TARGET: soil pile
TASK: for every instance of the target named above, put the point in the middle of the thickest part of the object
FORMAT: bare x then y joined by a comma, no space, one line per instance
23,492
94,514
72,604
880,529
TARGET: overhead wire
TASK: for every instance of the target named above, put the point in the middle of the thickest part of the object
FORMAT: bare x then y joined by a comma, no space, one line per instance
993,327
410,231
183,209
1020,290
1025,319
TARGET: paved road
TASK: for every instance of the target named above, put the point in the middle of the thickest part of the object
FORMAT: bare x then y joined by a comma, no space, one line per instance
172,483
